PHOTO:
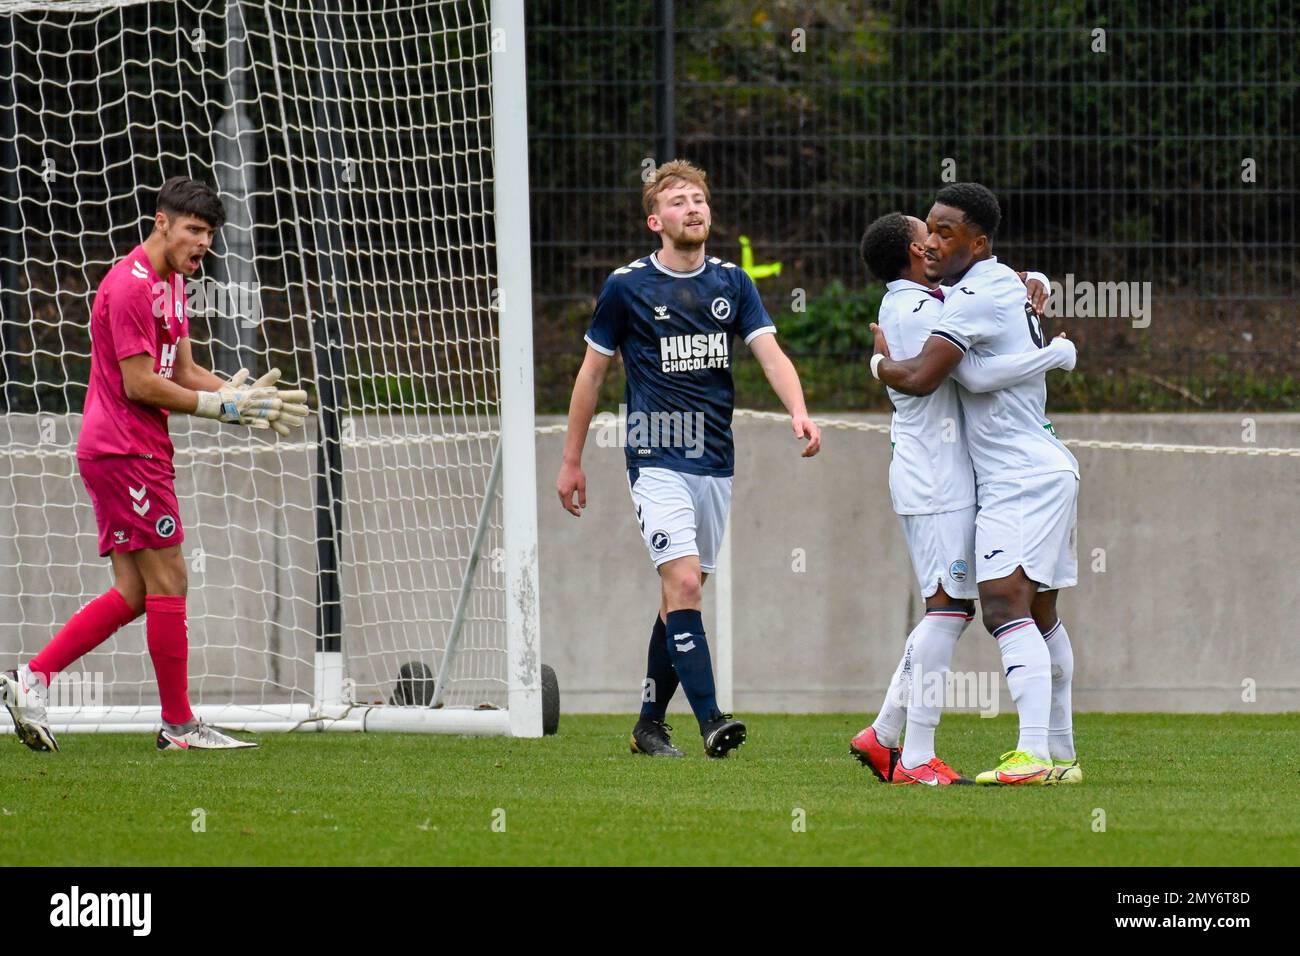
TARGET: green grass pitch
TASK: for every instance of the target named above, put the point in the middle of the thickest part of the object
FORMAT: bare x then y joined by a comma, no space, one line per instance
1174,789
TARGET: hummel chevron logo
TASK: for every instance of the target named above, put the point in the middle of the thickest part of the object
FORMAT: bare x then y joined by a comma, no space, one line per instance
136,493
991,554
141,509
688,646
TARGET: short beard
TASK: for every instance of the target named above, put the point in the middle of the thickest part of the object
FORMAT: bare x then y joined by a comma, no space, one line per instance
683,242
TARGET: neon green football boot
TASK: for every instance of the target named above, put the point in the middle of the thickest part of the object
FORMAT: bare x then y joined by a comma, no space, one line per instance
1018,768
1065,771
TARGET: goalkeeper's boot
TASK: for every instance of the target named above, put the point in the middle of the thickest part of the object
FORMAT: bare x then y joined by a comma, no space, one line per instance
24,696
933,773
1065,771
650,737
722,735
874,755
201,736
1017,769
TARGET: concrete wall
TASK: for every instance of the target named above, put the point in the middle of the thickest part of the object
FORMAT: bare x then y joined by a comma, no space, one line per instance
1199,591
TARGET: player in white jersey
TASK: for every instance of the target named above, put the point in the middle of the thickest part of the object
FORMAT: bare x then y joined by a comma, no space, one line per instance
1026,480
932,486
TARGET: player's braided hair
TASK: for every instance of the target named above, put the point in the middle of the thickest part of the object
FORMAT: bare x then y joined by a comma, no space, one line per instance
181,196
884,246
977,202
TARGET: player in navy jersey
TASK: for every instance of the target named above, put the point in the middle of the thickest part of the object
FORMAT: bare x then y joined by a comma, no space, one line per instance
675,316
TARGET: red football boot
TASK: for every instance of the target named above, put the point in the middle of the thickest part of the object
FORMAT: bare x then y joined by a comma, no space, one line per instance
874,755
933,773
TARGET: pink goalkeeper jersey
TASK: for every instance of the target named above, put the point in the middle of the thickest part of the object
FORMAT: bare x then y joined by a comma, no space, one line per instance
135,312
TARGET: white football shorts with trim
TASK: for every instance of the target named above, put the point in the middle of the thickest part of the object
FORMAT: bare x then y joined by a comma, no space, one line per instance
1030,523
942,548
680,513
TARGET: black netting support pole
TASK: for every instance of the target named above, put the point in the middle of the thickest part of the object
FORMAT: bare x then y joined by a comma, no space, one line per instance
11,240
665,126
327,331
329,484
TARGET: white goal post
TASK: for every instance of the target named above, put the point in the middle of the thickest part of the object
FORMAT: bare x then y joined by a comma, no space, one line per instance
378,571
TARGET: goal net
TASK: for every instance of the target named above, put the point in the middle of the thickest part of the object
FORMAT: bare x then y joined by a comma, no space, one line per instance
377,570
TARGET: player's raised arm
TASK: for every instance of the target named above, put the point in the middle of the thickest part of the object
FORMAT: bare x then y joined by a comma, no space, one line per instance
290,413
258,405
1038,289
966,321
758,330
582,406
987,373
919,375
784,379
191,374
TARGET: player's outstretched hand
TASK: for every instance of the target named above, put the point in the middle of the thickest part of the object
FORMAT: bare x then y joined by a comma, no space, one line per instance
882,347
283,418
805,427
1038,295
235,400
1061,343
571,481
1035,292
259,405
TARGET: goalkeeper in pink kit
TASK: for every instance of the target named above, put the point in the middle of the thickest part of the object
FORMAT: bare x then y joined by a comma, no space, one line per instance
142,370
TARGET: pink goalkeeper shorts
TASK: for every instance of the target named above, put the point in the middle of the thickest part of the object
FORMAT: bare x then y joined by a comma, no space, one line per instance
134,500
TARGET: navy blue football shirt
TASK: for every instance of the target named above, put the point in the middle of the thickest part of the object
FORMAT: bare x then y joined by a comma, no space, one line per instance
676,331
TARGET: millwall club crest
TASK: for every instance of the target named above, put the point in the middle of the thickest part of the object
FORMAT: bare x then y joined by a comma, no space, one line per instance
721,309
166,526
659,540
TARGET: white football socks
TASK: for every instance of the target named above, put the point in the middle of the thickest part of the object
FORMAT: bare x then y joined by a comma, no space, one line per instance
1060,727
1027,666
893,711
933,643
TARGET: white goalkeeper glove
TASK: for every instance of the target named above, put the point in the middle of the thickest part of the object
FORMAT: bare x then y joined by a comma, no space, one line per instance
290,412
259,405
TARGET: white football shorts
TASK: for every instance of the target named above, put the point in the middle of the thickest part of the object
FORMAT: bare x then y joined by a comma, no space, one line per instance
680,513
942,548
1030,523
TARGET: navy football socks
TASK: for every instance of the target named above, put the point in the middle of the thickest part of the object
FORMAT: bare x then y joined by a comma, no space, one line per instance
660,677
689,651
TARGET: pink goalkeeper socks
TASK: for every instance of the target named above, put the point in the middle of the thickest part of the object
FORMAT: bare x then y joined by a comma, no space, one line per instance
88,628
169,648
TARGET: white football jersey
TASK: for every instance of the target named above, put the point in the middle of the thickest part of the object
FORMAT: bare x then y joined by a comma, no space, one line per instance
1007,430
931,469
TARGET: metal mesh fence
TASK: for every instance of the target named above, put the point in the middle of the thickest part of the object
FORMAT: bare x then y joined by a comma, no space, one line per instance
1145,156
